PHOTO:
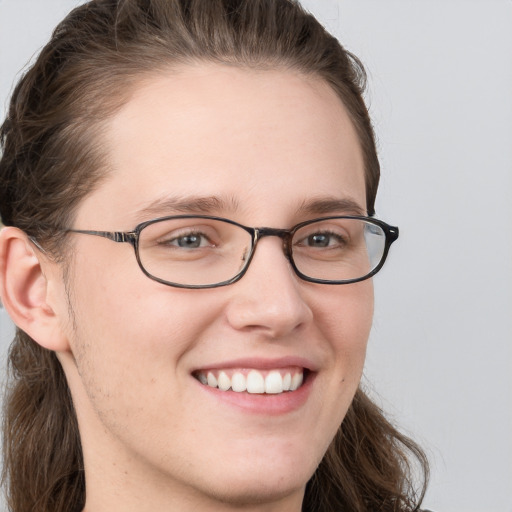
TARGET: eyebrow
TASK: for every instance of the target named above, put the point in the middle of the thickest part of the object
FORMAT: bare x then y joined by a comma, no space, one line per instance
331,205
206,205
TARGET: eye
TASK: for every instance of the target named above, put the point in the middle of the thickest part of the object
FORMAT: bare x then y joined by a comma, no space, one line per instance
194,240
323,240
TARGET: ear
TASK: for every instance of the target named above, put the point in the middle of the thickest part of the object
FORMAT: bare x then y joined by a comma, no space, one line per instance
24,289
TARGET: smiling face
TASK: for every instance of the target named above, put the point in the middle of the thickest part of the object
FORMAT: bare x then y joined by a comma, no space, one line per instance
149,364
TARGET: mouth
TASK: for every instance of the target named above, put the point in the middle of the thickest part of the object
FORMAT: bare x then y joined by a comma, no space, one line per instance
254,381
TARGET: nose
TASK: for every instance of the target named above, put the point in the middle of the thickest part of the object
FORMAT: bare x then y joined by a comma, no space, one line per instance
269,299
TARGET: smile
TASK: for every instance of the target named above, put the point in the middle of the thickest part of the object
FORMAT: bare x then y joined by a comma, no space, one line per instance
253,381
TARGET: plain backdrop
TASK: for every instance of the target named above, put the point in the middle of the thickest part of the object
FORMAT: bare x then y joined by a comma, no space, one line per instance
440,93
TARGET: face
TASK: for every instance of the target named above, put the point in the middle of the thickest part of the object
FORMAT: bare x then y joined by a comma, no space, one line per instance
263,148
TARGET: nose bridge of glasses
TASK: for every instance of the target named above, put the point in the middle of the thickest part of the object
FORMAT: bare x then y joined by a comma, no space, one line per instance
283,234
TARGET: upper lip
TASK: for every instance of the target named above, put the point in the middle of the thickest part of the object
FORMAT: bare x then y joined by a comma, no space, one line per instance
261,363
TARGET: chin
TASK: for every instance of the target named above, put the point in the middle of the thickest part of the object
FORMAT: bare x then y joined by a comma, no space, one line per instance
253,482
254,491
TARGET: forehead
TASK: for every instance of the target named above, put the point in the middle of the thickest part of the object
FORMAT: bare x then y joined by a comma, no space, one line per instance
253,138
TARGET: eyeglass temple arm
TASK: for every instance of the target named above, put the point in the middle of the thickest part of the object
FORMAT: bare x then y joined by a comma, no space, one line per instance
115,236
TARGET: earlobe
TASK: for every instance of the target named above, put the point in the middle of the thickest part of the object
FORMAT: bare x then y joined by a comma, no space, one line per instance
24,290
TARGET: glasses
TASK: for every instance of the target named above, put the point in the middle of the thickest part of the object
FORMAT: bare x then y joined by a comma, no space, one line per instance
199,251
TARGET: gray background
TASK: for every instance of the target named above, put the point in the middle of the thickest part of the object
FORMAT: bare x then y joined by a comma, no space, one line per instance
440,93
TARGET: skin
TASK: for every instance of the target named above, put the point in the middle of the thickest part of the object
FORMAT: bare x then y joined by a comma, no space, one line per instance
264,143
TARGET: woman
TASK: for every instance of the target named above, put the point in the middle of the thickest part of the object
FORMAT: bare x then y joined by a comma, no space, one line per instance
215,364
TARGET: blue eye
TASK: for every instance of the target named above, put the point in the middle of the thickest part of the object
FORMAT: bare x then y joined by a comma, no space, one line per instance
322,240
319,240
191,241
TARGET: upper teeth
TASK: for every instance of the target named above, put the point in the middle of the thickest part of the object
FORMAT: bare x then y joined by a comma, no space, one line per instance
253,381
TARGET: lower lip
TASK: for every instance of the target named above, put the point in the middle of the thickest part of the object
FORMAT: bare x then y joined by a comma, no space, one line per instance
268,404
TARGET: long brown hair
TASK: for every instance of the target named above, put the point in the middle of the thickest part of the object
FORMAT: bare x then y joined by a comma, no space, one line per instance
52,158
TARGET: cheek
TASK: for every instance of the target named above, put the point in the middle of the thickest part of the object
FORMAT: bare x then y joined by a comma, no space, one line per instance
357,318
127,324
130,359
346,325
116,299
345,317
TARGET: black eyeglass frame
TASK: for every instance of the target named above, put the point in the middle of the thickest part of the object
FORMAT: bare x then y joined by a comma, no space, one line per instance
286,235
